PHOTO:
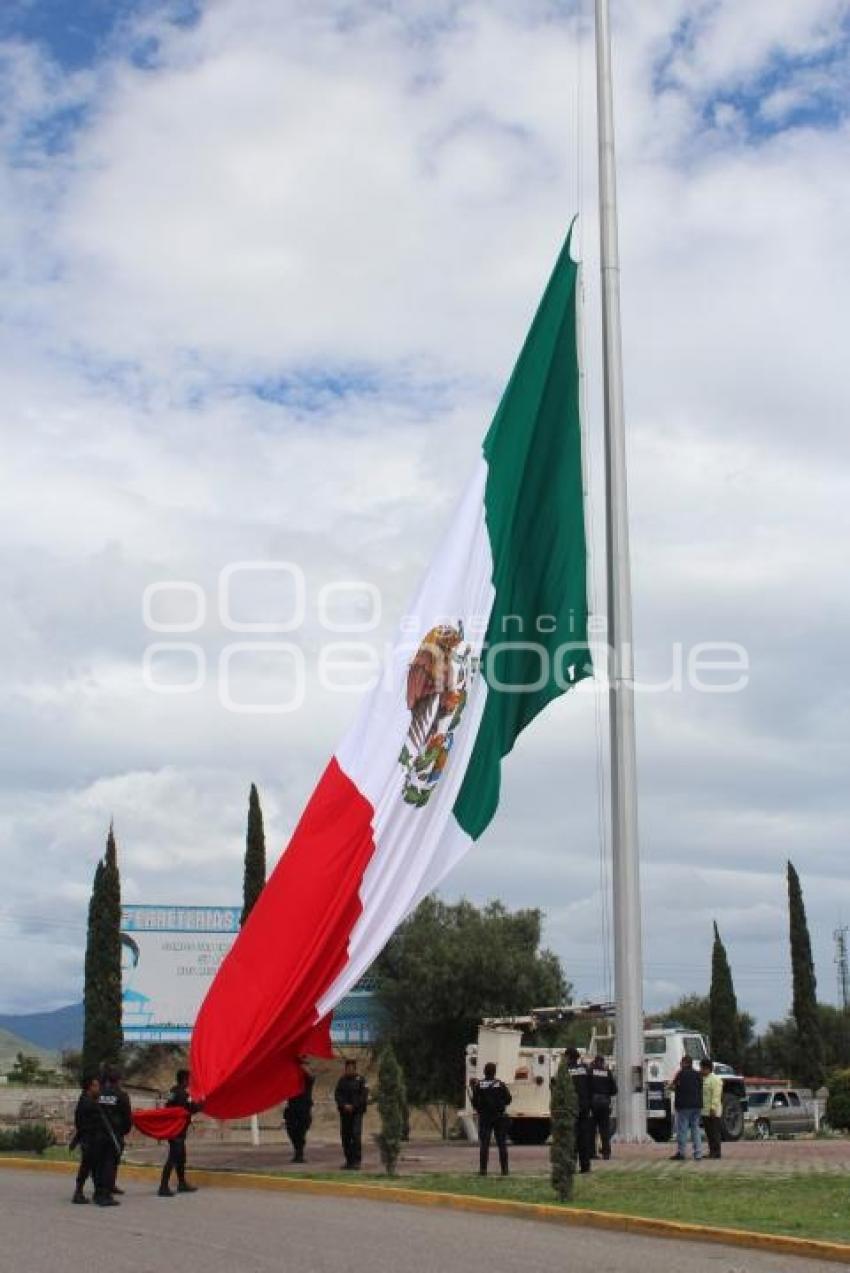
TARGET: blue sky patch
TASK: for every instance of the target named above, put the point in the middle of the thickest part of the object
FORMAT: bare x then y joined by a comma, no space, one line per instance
49,135
312,391
77,33
789,90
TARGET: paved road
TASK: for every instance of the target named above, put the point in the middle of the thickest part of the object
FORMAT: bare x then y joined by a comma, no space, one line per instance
236,1231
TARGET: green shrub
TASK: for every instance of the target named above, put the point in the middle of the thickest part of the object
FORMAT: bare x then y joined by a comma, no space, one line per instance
392,1104
838,1102
32,1137
562,1151
29,1072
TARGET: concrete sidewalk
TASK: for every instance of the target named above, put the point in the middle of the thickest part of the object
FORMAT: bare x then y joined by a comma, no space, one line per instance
419,1157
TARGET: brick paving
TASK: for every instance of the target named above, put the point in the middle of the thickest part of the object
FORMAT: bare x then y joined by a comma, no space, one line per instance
773,1157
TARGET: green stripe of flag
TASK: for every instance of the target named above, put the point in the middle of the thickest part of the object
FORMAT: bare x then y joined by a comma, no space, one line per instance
535,518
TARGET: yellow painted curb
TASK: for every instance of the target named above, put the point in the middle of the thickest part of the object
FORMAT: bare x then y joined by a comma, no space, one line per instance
59,1167
812,1248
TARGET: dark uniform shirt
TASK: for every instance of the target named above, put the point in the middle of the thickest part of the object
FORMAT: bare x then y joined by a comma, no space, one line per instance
580,1075
87,1120
114,1104
490,1098
180,1099
352,1090
299,1108
603,1085
687,1086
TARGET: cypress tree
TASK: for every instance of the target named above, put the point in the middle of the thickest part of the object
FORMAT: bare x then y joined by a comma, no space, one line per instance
563,1107
723,1008
255,856
102,1034
808,1043
392,1107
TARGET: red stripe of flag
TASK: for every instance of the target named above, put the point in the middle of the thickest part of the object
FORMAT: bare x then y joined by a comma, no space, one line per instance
254,1021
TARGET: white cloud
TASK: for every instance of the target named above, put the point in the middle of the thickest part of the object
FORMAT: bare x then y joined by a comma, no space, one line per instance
353,212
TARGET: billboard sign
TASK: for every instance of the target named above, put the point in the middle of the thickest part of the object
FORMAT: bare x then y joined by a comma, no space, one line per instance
169,955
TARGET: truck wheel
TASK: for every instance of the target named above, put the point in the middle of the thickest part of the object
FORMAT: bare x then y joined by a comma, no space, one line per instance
529,1131
732,1119
761,1127
660,1129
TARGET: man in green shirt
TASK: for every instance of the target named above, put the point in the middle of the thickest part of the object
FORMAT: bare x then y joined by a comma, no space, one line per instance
712,1106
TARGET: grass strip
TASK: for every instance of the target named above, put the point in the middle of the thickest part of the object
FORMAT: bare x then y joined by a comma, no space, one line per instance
800,1204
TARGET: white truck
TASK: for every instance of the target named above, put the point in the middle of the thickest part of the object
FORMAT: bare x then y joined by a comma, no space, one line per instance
528,1069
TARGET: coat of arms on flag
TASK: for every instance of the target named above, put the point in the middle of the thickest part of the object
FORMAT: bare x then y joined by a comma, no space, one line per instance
438,682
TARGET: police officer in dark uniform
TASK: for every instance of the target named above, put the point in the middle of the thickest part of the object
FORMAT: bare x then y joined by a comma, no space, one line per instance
116,1120
490,1099
298,1113
352,1097
603,1086
86,1130
584,1132
176,1160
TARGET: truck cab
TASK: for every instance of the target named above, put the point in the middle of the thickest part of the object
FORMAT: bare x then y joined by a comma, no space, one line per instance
663,1049
528,1070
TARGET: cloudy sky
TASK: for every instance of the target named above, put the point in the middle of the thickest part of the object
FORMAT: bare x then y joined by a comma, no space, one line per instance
266,267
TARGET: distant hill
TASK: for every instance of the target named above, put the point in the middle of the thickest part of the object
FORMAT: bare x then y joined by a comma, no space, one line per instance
62,1028
11,1044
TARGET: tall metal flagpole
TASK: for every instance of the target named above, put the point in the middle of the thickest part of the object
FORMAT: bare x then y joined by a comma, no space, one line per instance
628,957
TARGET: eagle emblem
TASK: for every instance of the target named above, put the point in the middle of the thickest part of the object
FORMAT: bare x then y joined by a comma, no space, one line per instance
438,681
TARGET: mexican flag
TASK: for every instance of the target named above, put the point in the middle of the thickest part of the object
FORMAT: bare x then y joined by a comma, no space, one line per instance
497,630
167,1123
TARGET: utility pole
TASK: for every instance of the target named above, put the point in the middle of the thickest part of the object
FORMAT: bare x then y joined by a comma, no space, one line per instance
628,952
840,937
